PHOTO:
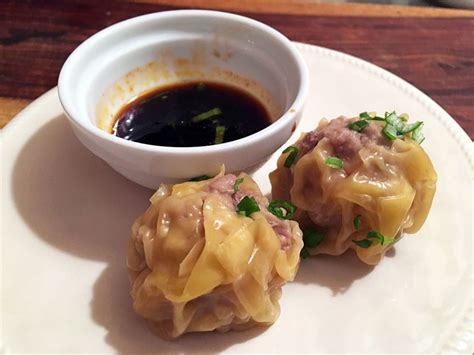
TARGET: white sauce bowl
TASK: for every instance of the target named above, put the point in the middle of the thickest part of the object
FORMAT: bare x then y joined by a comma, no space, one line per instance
131,57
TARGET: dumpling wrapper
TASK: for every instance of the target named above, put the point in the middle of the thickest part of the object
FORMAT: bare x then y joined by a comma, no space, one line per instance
197,265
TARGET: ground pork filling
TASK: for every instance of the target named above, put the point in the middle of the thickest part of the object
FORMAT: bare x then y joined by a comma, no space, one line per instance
346,142
224,186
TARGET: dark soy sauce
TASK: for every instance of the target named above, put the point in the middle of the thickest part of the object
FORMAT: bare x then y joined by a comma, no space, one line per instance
190,115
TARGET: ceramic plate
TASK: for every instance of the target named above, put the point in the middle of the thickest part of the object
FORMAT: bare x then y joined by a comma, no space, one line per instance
66,218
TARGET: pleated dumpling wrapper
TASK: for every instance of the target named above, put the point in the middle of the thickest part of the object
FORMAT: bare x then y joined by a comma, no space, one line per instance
358,183
197,265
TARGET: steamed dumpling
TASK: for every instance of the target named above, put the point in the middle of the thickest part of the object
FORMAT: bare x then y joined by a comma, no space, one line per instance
383,189
196,265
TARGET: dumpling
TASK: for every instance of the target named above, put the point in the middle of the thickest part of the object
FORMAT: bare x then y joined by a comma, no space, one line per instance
196,264
358,183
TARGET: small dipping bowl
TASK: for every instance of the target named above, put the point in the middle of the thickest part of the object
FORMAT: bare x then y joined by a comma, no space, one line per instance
132,57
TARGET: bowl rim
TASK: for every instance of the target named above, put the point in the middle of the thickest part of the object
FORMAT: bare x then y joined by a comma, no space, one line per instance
262,135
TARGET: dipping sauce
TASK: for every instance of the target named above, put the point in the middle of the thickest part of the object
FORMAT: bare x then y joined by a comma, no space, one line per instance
190,115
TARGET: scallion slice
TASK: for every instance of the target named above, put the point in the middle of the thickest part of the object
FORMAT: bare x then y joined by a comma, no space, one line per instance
358,126
220,130
407,128
206,115
376,235
404,117
282,209
334,162
304,253
312,238
417,136
364,243
237,183
247,206
292,156
395,121
364,115
357,222
200,178
390,132
201,87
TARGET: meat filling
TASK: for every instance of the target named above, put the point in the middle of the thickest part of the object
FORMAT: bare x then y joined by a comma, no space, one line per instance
346,142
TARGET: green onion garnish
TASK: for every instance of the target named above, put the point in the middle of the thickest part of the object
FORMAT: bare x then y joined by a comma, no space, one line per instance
364,243
163,95
404,117
220,130
407,128
358,126
416,135
247,206
200,178
379,238
304,253
282,209
376,235
206,115
390,132
395,121
357,222
364,115
201,87
237,183
334,162
312,238
292,156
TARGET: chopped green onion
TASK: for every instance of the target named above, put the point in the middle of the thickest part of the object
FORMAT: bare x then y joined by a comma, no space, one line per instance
376,235
282,209
417,136
390,132
395,121
201,87
206,115
292,156
358,126
379,238
220,130
390,240
364,115
387,114
377,118
304,253
200,178
357,222
334,162
404,117
364,243
237,183
407,128
163,95
247,206
311,237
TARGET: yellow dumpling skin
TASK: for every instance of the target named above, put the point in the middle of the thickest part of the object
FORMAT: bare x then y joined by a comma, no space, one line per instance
197,265
383,186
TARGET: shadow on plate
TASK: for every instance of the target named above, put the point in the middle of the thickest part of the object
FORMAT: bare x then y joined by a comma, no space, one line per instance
76,203
337,273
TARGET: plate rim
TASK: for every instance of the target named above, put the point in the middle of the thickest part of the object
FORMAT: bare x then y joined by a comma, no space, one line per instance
463,332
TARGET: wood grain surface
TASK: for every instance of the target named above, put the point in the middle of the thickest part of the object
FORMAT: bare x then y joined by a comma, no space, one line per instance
431,48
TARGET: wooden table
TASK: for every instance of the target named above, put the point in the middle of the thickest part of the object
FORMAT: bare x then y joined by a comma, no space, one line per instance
429,47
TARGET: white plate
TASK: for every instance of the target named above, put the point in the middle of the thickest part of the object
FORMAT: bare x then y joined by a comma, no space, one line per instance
66,217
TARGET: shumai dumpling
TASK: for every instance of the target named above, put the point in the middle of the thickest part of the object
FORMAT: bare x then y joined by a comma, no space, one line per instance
197,265
358,183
